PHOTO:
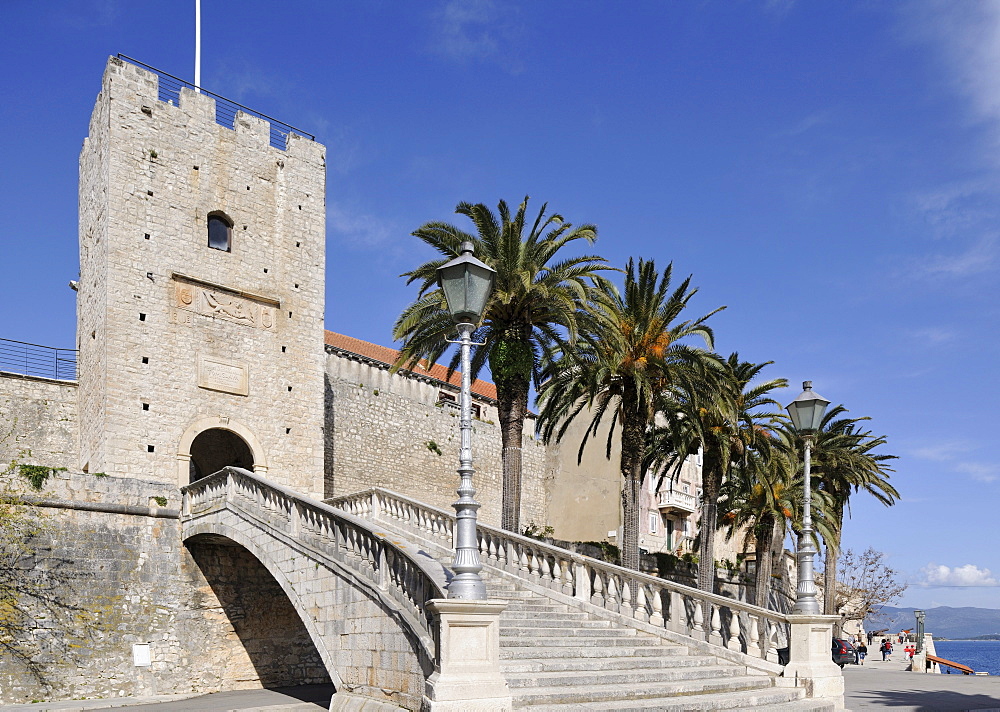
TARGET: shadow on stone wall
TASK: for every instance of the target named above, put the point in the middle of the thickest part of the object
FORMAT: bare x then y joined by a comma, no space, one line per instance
279,651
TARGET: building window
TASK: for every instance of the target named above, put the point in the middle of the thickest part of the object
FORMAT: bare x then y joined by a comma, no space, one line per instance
220,232
654,522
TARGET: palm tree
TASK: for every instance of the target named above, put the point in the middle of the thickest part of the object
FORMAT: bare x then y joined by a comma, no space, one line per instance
535,301
762,499
629,350
758,500
726,419
844,462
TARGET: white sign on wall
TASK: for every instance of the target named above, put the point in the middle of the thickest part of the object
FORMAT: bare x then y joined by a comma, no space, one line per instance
140,655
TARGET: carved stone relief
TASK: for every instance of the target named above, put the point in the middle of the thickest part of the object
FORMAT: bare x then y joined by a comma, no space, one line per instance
219,304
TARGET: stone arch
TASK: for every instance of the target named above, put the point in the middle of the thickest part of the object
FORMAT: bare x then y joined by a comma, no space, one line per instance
215,423
223,530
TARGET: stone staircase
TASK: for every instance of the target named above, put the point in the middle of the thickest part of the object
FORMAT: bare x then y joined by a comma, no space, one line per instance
556,656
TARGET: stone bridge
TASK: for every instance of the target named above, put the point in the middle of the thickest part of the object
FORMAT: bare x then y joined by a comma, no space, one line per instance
364,578
362,598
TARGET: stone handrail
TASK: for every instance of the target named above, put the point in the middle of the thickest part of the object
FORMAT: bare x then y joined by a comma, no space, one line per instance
350,541
738,626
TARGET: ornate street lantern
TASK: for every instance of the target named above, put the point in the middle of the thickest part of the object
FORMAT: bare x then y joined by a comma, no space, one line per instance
806,413
466,283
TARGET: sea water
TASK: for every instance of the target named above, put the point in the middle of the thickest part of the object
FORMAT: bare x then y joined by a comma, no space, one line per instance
980,655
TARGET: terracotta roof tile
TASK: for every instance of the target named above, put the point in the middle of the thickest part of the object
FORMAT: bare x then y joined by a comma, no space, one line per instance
388,356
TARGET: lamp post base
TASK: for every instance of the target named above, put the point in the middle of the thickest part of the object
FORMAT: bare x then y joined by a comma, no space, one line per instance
467,674
810,665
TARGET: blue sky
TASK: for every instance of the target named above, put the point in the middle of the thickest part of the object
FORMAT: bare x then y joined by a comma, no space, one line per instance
830,171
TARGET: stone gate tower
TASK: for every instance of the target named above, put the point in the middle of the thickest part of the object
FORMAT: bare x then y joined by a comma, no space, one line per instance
200,305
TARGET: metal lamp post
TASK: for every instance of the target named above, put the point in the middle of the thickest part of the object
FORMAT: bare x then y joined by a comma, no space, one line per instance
806,413
466,283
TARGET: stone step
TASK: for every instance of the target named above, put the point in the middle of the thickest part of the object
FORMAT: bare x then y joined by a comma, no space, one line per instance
552,623
570,632
523,650
578,678
603,662
569,641
521,614
778,699
615,693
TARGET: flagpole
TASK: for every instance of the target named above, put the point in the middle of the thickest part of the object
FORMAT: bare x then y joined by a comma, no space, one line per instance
197,46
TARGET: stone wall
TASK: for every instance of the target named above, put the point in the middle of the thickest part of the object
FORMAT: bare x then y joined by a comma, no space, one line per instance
124,579
38,421
386,430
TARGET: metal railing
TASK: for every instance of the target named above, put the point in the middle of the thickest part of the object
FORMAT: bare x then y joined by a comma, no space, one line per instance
225,109
36,360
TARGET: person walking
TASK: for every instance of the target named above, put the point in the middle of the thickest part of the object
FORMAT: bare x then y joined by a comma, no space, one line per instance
884,649
862,652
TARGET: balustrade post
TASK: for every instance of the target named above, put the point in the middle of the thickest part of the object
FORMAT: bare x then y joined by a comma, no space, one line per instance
640,611
581,580
733,643
383,569
699,621
374,506
771,646
656,617
715,632
185,504
753,638
294,519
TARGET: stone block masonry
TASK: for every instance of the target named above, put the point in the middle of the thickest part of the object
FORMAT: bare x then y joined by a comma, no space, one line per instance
38,421
212,616
388,430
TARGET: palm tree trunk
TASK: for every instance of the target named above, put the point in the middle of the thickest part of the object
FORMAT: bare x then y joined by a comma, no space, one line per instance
632,449
512,404
764,549
711,483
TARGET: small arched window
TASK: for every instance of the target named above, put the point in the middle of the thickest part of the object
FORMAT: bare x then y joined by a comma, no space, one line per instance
220,232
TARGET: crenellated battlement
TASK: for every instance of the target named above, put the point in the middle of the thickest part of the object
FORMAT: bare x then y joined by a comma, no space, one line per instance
148,86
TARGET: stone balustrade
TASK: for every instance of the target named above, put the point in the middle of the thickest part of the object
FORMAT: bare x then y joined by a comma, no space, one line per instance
348,539
737,626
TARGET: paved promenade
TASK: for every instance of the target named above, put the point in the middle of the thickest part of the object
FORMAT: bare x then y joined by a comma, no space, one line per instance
878,684
874,685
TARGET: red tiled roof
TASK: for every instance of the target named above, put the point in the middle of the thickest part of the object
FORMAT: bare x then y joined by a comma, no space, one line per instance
388,356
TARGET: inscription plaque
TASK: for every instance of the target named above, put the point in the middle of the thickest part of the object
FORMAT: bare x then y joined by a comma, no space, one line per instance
224,376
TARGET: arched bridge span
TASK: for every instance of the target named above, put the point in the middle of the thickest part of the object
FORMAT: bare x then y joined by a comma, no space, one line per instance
360,596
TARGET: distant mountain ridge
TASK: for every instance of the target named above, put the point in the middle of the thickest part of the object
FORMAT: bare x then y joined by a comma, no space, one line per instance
941,622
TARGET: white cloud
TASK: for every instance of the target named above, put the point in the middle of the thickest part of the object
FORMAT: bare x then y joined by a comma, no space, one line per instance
477,30
955,208
967,575
944,451
932,335
358,229
979,257
979,471
967,36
